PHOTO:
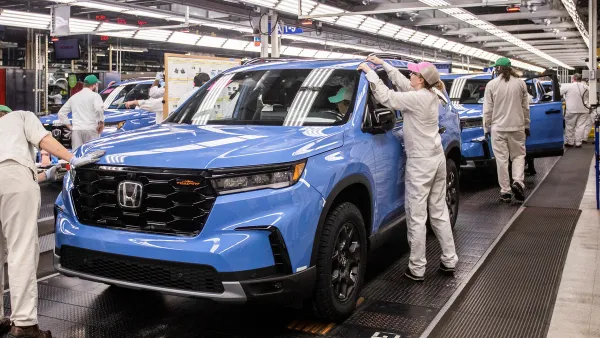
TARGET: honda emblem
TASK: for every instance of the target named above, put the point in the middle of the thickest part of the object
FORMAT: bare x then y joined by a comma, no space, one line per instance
130,194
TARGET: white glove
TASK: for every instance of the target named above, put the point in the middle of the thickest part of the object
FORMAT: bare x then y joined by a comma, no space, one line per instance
51,173
92,157
159,76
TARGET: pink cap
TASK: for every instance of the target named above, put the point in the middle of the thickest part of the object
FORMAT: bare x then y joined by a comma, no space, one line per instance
418,67
427,71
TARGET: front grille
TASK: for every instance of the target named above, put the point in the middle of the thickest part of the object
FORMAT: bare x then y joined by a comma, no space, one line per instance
171,202
166,274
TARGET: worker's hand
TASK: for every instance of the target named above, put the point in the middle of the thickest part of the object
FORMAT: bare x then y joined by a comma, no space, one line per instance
100,127
375,60
128,104
364,67
527,132
92,157
70,127
160,76
51,173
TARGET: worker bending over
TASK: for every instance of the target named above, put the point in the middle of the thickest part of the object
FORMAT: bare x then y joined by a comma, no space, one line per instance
426,162
506,120
87,110
577,114
155,102
20,132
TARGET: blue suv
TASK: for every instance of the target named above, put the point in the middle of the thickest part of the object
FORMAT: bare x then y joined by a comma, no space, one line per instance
467,95
272,182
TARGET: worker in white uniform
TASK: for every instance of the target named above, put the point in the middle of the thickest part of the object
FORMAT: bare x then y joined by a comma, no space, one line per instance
425,163
199,80
20,132
155,102
87,110
506,120
577,114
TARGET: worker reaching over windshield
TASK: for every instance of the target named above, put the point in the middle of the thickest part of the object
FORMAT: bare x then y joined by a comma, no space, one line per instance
576,117
506,120
20,132
87,110
426,162
155,102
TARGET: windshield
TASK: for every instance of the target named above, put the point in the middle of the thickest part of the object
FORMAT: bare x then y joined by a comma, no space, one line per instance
469,91
284,97
106,92
132,92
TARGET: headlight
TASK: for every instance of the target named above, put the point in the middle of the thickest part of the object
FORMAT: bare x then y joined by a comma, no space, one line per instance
267,177
471,123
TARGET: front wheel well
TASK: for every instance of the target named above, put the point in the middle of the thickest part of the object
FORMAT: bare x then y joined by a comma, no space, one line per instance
359,195
454,155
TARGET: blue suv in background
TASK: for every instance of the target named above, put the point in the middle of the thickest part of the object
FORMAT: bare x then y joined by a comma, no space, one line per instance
467,95
272,182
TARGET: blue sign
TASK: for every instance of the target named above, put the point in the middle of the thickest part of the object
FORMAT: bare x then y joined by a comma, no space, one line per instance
288,29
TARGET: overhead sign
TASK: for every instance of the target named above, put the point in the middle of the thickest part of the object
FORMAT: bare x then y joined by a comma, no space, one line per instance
287,30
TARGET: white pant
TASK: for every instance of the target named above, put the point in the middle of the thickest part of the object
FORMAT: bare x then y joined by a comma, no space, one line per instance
589,123
426,188
79,137
575,128
509,145
19,208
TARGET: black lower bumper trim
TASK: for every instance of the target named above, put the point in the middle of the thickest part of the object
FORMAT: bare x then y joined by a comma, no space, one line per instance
281,289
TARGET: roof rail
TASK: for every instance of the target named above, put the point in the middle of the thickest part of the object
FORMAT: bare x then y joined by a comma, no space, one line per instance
393,56
267,59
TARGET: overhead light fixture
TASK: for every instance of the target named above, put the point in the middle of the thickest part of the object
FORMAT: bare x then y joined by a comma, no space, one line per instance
235,44
211,41
184,38
149,14
293,51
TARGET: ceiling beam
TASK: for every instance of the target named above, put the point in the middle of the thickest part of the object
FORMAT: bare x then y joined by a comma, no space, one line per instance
534,43
524,36
488,17
572,48
513,28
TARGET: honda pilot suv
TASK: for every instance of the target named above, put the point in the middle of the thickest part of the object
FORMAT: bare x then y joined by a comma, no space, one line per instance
271,183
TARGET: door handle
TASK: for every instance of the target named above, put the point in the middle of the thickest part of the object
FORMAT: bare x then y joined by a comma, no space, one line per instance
442,130
553,111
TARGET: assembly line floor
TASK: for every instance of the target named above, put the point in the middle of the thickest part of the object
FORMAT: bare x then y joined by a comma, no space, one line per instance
390,305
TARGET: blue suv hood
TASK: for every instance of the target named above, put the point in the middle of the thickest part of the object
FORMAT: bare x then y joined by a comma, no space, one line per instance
469,111
203,147
110,115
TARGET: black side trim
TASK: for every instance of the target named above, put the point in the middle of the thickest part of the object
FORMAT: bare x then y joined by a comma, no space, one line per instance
385,232
344,183
266,272
451,146
283,289
280,253
546,153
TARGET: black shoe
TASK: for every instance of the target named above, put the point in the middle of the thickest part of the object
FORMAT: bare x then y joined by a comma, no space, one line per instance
584,142
506,198
568,145
410,275
579,146
446,270
518,191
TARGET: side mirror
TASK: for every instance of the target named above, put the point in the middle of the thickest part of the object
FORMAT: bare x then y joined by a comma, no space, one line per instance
384,121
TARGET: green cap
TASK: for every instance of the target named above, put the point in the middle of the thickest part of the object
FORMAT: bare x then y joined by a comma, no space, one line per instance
503,62
342,94
5,109
91,80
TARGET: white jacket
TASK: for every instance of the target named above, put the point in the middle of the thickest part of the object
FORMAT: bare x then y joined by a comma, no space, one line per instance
87,108
506,105
575,94
419,110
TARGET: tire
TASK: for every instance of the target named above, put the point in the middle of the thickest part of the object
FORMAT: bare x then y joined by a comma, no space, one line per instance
330,302
452,190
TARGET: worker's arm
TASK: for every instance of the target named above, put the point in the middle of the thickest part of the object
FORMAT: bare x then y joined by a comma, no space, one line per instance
389,98
51,145
525,104
398,80
63,114
488,108
563,89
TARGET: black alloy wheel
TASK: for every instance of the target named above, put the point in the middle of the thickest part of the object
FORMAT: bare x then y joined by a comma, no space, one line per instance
345,262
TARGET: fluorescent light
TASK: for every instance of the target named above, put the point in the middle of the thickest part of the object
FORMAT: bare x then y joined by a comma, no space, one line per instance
126,31
235,44
293,51
350,21
448,46
323,54
325,9
96,5
308,53
335,55
440,43
78,25
430,40
211,41
184,38
291,6
153,34
389,30
418,37
147,13
24,23
371,25
404,34
264,3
